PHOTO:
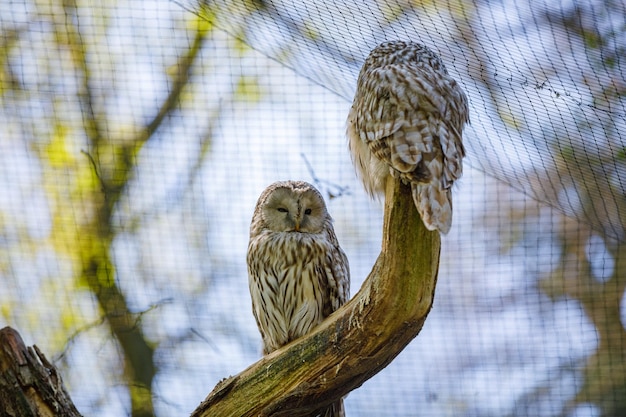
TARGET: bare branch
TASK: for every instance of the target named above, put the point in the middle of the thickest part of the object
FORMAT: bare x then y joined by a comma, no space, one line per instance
331,189
184,68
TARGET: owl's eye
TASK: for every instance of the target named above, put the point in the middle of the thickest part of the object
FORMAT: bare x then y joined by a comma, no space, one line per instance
307,211
282,210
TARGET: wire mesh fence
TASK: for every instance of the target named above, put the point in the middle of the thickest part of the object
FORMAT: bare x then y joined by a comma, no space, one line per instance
136,137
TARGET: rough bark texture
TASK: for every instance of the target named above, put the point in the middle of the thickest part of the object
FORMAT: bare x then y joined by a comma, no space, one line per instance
357,341
29,384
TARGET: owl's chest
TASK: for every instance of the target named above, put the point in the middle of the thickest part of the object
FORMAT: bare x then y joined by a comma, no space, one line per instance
292,250
296,277
295,267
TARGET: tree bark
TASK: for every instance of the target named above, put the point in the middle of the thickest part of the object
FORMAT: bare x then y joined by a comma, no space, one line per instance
354,343
29,384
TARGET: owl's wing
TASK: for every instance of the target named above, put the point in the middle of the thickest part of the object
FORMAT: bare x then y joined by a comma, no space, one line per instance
409,112
335,275
342,276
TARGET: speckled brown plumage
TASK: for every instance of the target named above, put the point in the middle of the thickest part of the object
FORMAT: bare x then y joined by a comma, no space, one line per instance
407,120
298,273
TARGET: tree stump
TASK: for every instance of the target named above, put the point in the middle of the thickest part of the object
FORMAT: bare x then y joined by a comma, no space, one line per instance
29,384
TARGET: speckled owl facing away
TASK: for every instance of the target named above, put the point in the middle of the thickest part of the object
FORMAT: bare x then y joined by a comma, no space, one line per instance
407,120
298,274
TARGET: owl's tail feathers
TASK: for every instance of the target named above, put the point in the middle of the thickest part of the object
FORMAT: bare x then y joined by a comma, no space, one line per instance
434,205
333,410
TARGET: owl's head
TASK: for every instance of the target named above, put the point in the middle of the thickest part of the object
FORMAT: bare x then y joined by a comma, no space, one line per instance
292,206
403,53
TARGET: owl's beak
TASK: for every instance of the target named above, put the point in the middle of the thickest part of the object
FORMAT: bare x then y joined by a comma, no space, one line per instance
297,227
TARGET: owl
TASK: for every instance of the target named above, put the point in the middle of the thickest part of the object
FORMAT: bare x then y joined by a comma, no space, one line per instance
298,273
407,121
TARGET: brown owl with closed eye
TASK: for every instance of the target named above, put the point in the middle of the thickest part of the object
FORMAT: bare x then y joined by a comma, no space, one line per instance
298,273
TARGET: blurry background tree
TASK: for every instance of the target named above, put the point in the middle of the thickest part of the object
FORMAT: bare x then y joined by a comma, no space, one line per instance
591,263
135,138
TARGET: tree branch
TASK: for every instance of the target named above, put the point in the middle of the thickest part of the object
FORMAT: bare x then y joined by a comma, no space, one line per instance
29,384
184,65
358,340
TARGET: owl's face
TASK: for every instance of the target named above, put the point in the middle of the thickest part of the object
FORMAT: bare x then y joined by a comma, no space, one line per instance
295,210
